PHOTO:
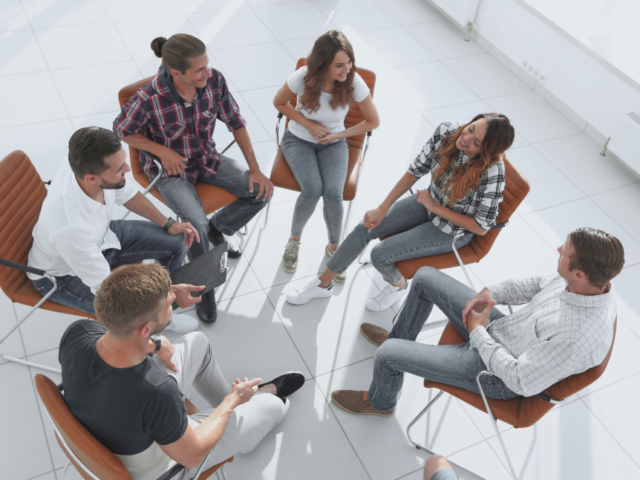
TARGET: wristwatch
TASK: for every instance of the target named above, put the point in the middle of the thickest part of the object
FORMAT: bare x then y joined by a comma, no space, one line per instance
170,222
158,341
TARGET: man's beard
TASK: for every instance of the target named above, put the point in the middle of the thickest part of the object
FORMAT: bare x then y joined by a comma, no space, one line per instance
160,328
113,186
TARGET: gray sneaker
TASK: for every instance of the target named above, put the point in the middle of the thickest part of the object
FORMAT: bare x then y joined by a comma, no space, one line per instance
327,255
290,257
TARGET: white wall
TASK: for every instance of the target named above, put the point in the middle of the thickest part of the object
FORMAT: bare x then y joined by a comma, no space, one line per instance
591,90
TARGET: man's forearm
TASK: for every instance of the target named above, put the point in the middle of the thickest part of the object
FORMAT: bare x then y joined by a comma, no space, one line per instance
244,142
211,430
140,205
139,141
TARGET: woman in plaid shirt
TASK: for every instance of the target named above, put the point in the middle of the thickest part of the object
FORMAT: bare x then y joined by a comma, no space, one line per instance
466,188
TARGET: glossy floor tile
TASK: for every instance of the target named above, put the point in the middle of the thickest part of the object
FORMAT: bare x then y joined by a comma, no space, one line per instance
63,63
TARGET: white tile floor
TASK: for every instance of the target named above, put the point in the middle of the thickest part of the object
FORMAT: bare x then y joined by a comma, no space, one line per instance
62,63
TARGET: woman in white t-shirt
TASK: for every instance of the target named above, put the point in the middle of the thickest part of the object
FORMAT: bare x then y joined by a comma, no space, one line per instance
315,145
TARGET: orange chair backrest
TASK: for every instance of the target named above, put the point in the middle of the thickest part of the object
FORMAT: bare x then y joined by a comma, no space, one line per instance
515,189
124,95
354,115
95,456
22,193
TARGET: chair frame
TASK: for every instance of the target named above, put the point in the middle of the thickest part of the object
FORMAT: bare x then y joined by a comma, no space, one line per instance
42,273
348,217
172,473
493,421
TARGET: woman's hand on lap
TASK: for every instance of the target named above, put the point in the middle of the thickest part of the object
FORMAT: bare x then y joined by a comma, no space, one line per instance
425,199
316,129
373,217
332,137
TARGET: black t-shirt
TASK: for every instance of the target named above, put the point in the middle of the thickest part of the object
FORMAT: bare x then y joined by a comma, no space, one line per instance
126,409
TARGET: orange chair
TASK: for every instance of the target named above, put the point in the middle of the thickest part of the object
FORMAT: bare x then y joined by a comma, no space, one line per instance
22,193
515,190
519,412
281,174
92,459
211,197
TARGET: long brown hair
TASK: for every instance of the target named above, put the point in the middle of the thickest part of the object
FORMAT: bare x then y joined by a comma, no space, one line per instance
318,63
497,140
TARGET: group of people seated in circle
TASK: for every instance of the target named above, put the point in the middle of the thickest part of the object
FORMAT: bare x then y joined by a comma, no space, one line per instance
127,383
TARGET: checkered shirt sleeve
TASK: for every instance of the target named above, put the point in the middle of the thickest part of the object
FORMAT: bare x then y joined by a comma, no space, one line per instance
552,338
428,158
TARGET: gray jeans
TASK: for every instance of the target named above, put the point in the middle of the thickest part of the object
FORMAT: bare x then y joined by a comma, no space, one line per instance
321,171
455,365
414,236
181,197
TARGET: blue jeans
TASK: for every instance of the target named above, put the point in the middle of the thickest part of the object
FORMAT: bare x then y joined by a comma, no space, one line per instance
414,236
455,365
181,197
139,240
321,171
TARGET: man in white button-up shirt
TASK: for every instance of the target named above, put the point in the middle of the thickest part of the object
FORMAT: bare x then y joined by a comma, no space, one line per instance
565,328
76,240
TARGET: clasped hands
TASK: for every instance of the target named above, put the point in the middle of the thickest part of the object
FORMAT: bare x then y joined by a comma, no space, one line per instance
477,310
320,132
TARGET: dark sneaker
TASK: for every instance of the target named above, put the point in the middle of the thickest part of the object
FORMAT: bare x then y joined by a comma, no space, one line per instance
356,402
373,333
207,309
217,238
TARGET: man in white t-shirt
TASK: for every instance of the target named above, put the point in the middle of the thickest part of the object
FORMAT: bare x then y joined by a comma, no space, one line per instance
76,241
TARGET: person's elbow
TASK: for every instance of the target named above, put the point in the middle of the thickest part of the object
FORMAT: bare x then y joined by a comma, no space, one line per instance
374,123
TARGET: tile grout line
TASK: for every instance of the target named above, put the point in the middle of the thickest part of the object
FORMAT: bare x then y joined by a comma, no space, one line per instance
607,430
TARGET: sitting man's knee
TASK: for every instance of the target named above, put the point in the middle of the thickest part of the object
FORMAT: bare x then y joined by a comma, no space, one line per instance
434,463
426,275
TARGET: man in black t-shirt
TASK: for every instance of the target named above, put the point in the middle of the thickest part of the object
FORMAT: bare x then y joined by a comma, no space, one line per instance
134,403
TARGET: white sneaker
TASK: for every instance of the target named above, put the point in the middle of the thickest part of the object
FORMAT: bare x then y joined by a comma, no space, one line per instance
308,292
386,297
182,323
255,443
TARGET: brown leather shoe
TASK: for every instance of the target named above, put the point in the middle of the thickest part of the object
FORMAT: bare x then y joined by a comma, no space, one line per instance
373,333
356,402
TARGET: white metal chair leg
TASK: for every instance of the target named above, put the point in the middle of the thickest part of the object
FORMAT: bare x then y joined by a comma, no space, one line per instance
422,447
66,467
148,189
202,464
36,307
223,473
493,421
266,217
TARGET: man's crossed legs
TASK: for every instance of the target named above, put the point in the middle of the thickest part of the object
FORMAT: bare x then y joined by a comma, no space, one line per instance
249,422
455,365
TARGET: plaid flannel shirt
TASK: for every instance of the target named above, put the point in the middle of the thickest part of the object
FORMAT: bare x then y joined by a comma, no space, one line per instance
160,114
480,203
558,334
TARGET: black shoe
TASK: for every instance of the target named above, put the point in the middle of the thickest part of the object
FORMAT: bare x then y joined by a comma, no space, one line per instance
216,238
286,384
207,309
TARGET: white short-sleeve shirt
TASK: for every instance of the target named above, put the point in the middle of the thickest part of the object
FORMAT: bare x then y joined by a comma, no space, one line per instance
332,119
73,230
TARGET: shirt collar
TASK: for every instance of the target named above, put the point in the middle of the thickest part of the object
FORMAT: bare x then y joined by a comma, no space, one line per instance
164,85
585,300
85,200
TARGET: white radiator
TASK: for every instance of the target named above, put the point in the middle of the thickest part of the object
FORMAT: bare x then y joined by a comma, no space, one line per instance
625,141
461,11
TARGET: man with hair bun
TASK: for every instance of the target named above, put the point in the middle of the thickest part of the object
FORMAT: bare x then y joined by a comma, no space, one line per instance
172,119
77,241
564,328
